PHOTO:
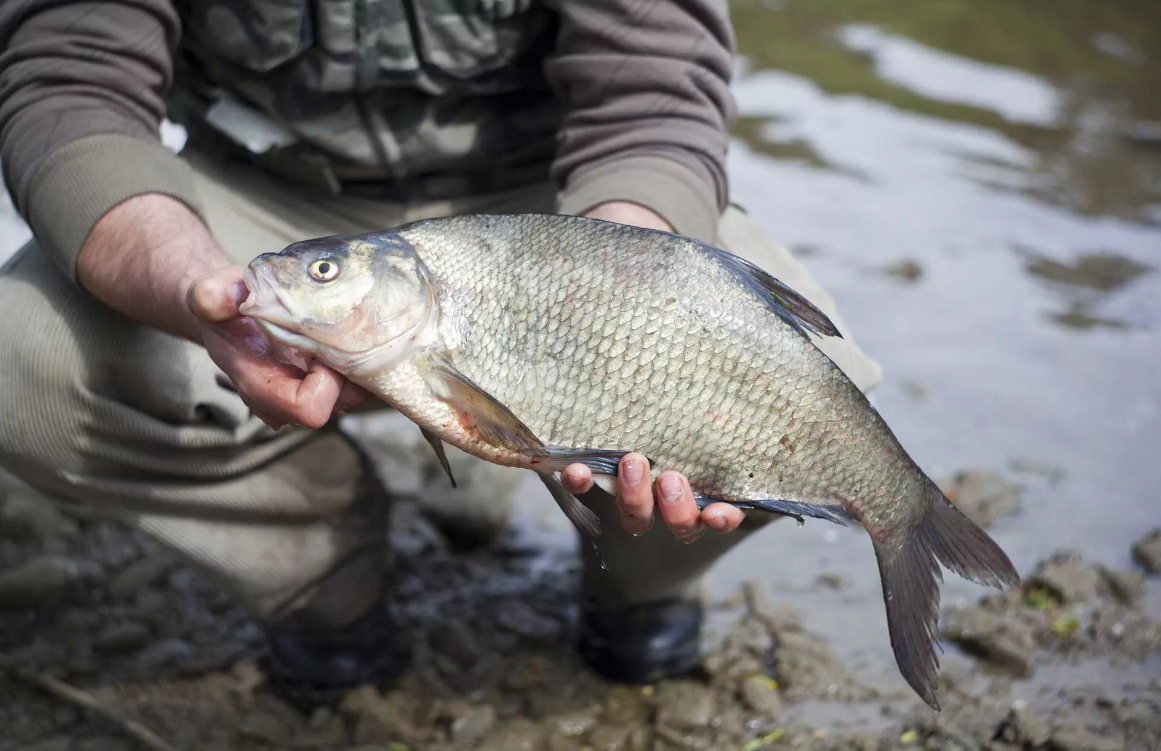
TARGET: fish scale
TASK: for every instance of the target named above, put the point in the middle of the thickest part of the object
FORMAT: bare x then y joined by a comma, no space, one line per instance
540,341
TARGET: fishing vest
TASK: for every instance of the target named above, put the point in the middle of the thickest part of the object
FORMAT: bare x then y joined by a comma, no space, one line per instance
430,97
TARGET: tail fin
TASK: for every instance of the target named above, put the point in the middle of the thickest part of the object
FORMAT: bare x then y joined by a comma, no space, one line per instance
910,575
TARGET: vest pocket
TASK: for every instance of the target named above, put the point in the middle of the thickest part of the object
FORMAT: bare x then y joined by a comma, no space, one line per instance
258,35
469,38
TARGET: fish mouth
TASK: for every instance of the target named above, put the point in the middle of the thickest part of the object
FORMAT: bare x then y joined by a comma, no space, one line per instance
263,304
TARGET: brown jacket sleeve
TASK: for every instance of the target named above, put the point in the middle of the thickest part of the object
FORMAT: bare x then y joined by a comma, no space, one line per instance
81,86
647,89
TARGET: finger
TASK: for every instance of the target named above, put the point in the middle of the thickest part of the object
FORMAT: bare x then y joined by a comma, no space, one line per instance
215,298
722,517
634,494
679,511
577,479
316,396
351,396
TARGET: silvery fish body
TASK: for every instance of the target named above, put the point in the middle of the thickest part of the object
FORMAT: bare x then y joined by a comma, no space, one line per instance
541,340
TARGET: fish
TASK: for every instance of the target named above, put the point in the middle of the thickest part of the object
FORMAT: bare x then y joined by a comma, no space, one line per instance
542,340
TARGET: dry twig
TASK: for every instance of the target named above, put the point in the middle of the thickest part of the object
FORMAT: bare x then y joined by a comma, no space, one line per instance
64,691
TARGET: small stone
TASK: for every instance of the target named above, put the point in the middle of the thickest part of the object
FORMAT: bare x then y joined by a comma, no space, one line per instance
473,724
1066,577
520,734
1147,551
1003,642
684,705
27,515
761,696
120,638
146,572
1079,739
906,270
609,737
575,724
41,582
1127,586
103,743
264,727
1023,729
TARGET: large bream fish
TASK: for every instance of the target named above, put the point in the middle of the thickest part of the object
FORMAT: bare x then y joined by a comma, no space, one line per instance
537,341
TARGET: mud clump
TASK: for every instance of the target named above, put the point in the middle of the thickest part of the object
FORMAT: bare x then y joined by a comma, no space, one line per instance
984,497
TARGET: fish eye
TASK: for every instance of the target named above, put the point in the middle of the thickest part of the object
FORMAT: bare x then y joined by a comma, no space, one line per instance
324,269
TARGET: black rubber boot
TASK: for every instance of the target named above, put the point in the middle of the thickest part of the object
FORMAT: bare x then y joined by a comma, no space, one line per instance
643,643
313,669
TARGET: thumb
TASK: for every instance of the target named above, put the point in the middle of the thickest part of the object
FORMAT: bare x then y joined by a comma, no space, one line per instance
215,298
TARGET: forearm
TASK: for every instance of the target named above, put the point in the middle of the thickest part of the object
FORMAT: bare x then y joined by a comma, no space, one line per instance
646,88
141,258
81,102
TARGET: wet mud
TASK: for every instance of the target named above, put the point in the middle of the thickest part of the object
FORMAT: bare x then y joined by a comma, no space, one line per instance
1070,661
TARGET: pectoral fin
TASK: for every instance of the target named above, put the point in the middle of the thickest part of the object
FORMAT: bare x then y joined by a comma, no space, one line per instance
490,421
437,445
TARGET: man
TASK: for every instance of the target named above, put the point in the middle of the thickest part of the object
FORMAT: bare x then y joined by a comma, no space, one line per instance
132,385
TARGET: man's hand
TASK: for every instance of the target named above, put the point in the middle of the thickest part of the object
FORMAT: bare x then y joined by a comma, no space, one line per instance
634,494
674,497
151,259
278,393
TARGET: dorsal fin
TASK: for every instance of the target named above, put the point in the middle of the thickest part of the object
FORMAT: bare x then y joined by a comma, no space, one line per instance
789,305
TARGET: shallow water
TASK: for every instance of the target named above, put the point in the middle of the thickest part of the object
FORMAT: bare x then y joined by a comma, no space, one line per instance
979,186
981,192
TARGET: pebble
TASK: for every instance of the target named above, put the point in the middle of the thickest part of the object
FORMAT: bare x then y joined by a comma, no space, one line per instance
1147,551
140,574
1127,586
575,724
473,724
1000,642
264,727
43,581
26,515
1079,739
519,734
1024,729
120,638
609,737
1068,578
760,696
684,705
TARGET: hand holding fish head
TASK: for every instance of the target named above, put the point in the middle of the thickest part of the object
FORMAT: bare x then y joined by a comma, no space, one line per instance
357,304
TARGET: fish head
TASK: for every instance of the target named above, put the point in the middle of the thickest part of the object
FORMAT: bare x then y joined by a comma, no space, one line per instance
353,302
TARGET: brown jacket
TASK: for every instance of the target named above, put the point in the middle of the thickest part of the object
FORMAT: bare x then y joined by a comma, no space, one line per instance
643,89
